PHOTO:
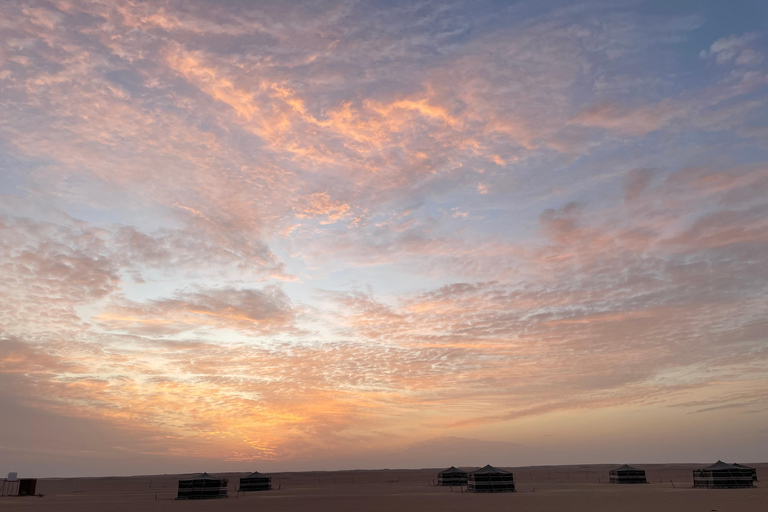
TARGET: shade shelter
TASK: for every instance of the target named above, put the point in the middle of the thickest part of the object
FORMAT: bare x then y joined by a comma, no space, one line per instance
452,476
751,470
255,482
202,487
626,474
490,479
14,486
722,475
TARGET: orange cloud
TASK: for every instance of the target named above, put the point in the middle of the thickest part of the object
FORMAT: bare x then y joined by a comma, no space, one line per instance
321,205
211,82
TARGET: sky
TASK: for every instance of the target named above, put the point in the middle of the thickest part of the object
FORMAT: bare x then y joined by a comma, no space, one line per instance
251,235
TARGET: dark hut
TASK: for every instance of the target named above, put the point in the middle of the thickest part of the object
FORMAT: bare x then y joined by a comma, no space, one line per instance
255,482
722,475
751,470
14,486
452,476
202,487
490,479
626,474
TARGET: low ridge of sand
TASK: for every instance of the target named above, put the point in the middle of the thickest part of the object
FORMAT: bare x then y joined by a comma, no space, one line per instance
541,488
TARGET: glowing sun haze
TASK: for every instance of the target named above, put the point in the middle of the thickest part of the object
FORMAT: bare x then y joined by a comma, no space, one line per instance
341,234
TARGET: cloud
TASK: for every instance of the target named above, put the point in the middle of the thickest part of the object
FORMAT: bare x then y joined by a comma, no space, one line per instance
256,312
636,183
749,58
321,204
726,49
628,120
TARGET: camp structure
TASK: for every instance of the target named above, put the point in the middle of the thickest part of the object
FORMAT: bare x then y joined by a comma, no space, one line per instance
202,487
255,482
14,486
626,474
452,476
721,475
490,479
751,470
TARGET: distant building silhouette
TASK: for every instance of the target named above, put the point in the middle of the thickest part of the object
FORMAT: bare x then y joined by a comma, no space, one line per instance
626,474
202,487
255,482
490,479
723,475
452,476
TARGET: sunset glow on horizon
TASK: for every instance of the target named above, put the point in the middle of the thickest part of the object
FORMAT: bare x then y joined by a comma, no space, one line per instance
334,235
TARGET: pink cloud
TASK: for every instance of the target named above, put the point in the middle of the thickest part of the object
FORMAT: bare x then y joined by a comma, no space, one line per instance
257,312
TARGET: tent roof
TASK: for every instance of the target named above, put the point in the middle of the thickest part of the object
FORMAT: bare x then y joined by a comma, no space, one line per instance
202,476
256,474
627,467
721,465
452,469
742,466
489,470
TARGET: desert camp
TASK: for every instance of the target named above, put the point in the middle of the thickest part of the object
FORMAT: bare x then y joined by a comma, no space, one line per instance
490,479
255,482
202,487
722,475
452,476
627,474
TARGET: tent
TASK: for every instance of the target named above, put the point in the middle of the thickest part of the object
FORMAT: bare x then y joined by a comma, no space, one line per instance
722,475
452,476
490,479
202,487
14,486
626,474
255,482
751,470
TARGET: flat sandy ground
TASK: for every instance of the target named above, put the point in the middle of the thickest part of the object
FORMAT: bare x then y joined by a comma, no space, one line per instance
553,488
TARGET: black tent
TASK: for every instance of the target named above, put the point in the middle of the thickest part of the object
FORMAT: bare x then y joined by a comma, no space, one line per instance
452,476
722,475
255,482
202,487
490,479
626,474
751,470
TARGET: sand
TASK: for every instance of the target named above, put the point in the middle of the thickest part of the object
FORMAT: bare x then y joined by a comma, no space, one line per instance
540,489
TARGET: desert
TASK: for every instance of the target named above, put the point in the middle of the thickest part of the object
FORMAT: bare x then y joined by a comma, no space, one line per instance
574,488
